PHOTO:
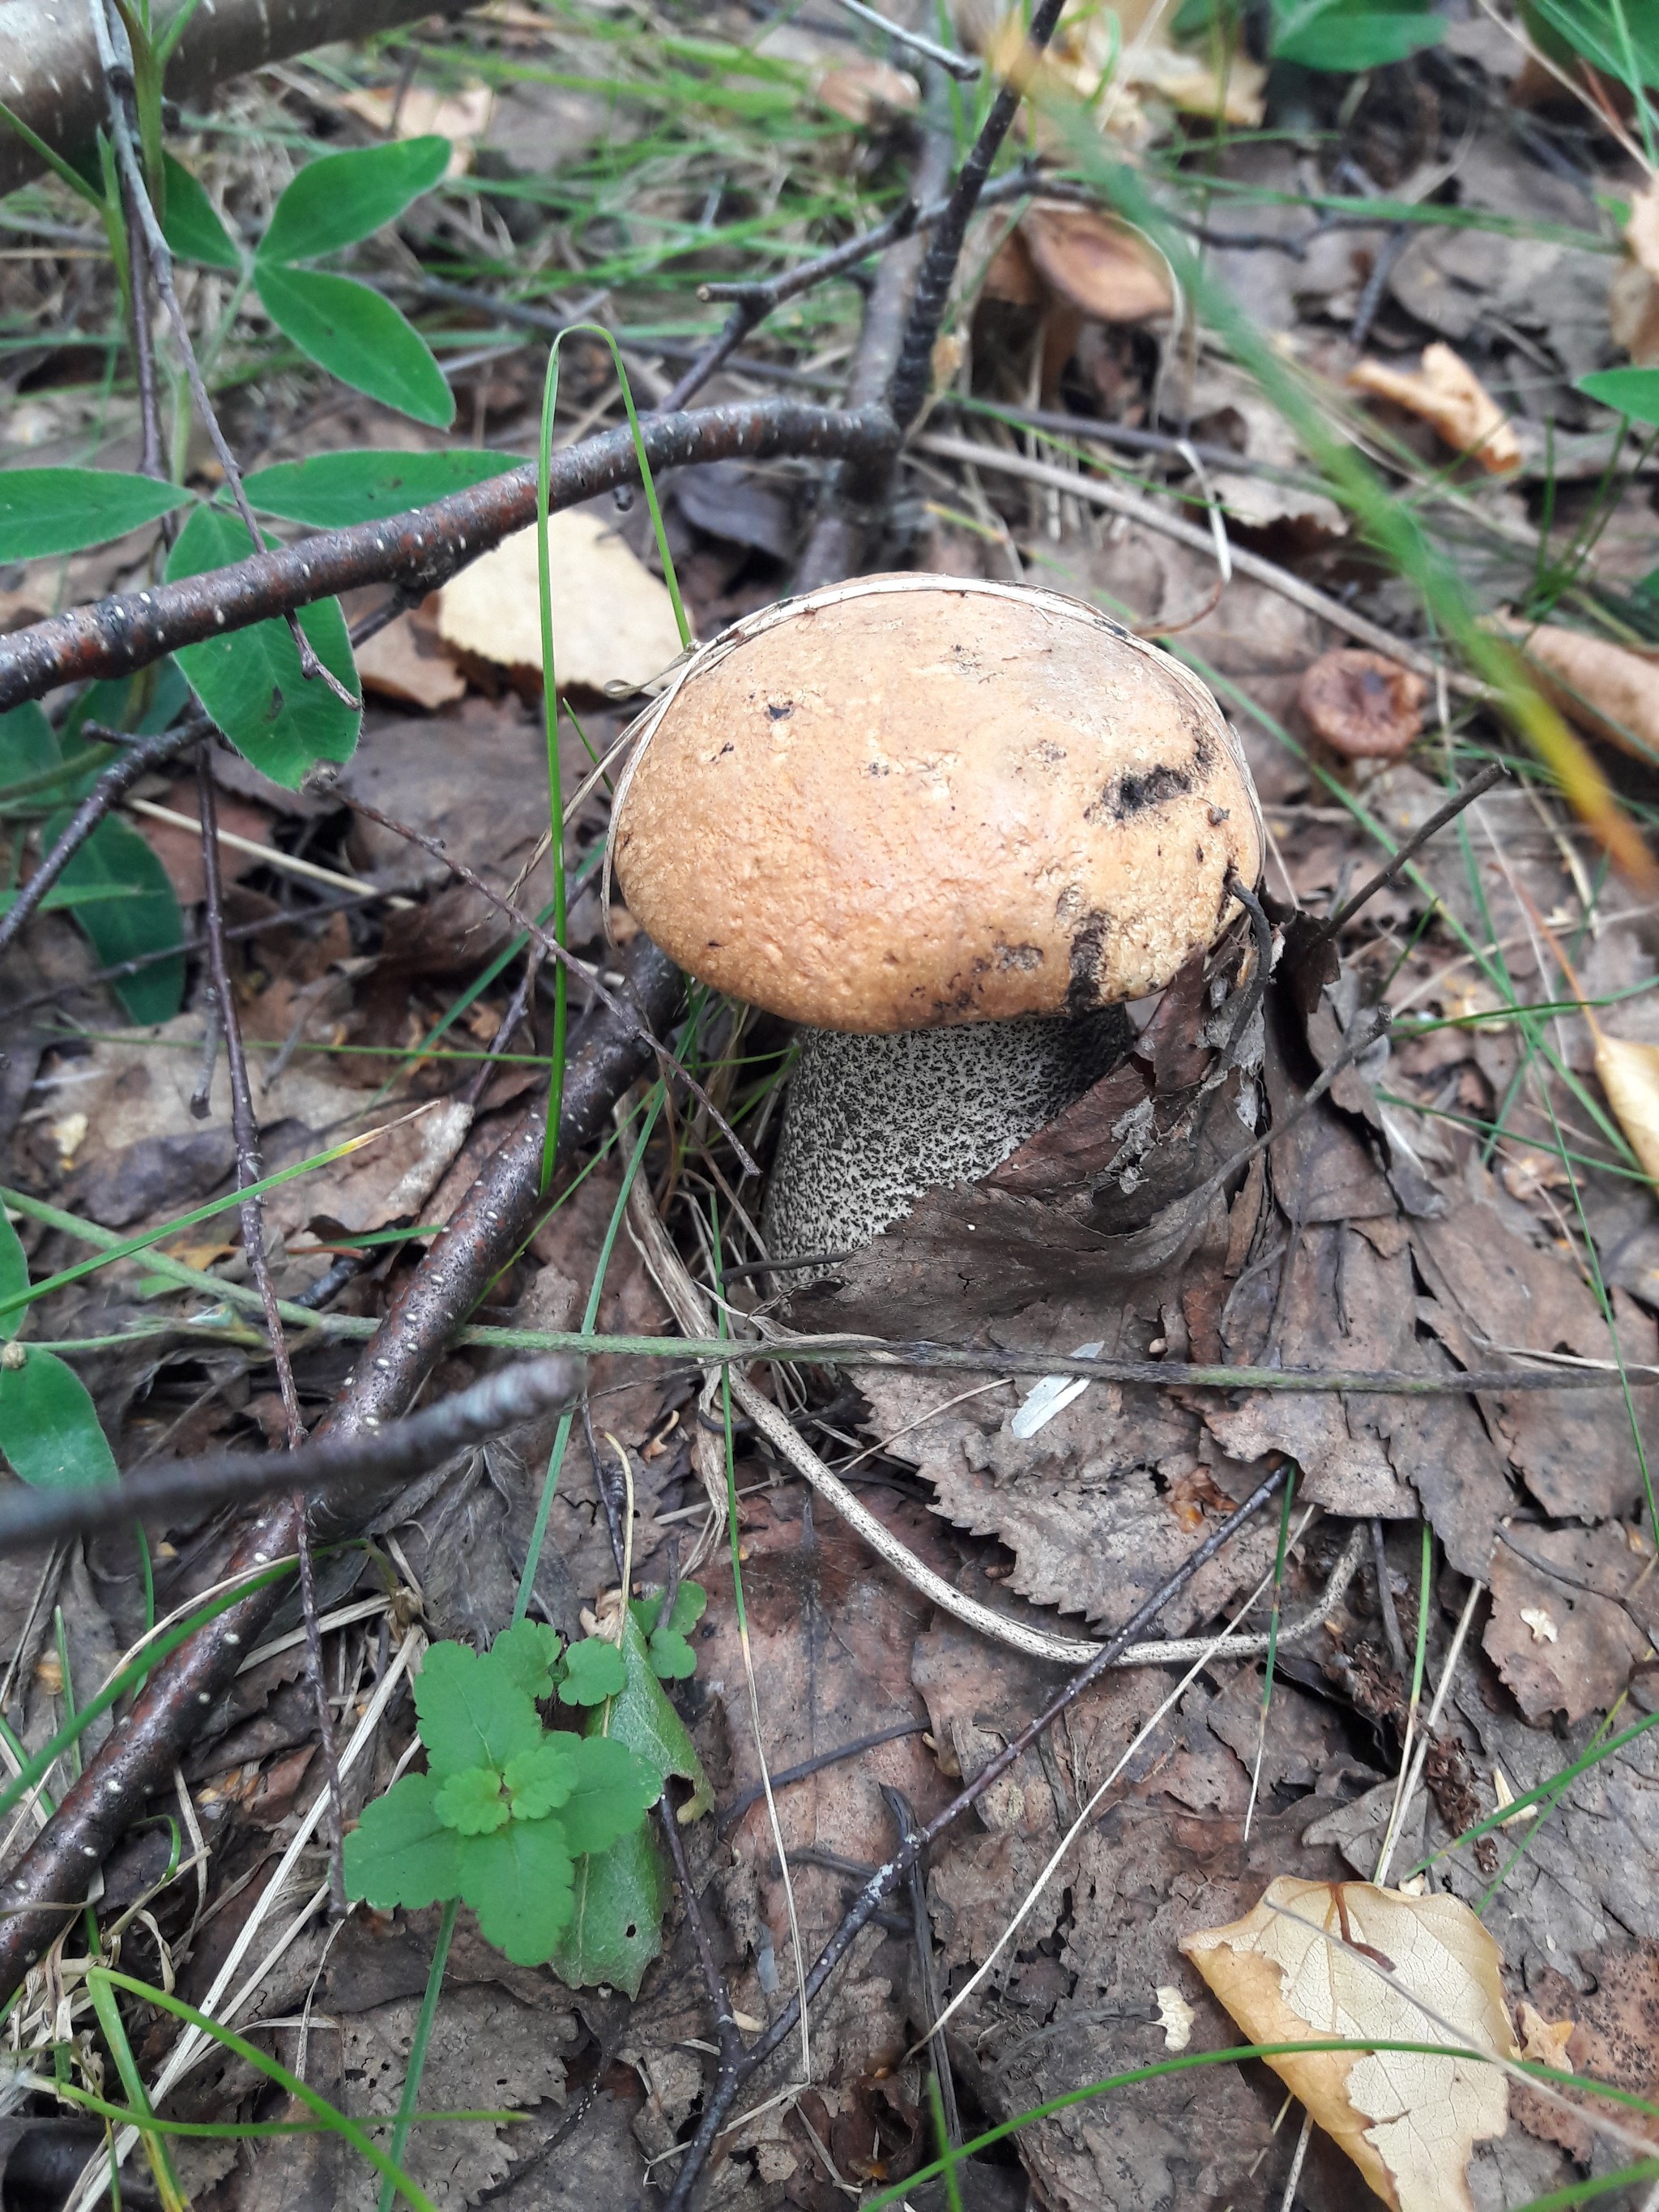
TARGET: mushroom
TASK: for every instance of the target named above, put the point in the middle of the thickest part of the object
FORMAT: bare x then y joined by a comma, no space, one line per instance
949,827
1362,706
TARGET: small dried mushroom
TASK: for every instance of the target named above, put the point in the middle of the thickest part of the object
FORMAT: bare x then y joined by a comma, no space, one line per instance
1362,706
949,827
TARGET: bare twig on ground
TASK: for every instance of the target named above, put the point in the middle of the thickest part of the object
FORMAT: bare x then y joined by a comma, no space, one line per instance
1476,788
250,1168
108,792
421,548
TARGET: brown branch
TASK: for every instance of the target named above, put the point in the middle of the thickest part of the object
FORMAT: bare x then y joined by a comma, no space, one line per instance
482,1237
49,63
423,548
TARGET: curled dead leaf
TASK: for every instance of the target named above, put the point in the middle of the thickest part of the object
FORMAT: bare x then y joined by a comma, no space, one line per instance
1346,1959
613,621
1608,689
1630,1076
1362,706
1633,297
1447,393
461,117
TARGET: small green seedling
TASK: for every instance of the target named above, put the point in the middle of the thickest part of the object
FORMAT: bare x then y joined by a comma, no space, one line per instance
507,1808
670,1655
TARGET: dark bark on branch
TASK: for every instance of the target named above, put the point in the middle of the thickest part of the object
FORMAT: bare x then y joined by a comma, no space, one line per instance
397,1453
481,1237
48,72
421,550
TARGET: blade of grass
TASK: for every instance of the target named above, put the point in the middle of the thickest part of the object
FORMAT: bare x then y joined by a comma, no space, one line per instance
418,2048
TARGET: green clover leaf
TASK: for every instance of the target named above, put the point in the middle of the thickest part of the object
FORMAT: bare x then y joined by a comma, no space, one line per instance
400,1852
519,1882
539,1781
532,1653
670,1655
472,1711
593,1672
471,1802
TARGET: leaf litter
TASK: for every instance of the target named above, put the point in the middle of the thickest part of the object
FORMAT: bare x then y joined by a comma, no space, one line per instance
1422,1219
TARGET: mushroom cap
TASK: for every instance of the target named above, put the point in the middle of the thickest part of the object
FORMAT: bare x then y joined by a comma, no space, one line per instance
911,801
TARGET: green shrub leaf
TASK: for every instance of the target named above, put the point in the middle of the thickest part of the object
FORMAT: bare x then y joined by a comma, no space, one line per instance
359,336
28,744
532,1653
1633,392
192,228
49,1426
332,490
143,918
400,1852
341,198
518,1883
61,510
1350,35
250,680
618,1897
612,1789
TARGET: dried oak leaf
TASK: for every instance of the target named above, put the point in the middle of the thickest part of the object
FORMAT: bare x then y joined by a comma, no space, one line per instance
1363,705
1446,393
1305,1964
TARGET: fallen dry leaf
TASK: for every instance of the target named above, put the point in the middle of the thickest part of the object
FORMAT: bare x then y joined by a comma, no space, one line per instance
1305,1964
1633,297
1362,706
461,117
1106,268
1175,2016
865,90
1447,393
1630,1076
613,621
1545,2041
404,662
1606,689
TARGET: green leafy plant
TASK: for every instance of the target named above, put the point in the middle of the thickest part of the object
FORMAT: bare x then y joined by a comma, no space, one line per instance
50,1432
346,327
1633,392
513,1818
1351,34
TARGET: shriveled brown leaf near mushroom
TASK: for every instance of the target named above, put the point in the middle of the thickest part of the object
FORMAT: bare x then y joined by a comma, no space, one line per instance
1362,706
1611,690
1447,393
1305,1965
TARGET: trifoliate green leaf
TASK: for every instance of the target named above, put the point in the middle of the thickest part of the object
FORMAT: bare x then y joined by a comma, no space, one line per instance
400,1852
532,1653
539,1781
612,1789
471,1802
593,1672
672,1659
472,1712
518,1883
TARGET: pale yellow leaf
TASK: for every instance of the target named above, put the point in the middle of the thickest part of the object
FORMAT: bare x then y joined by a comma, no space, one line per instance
1541,1624
1630,1076
1447,393
613,622
1305,1965
461,117
1633,298
1606,689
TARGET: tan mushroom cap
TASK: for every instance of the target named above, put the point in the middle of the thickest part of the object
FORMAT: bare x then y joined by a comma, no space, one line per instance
915,800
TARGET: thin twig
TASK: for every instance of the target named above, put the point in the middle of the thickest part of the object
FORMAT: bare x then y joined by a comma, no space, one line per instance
1494,772
960,66
109,790
250,1168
